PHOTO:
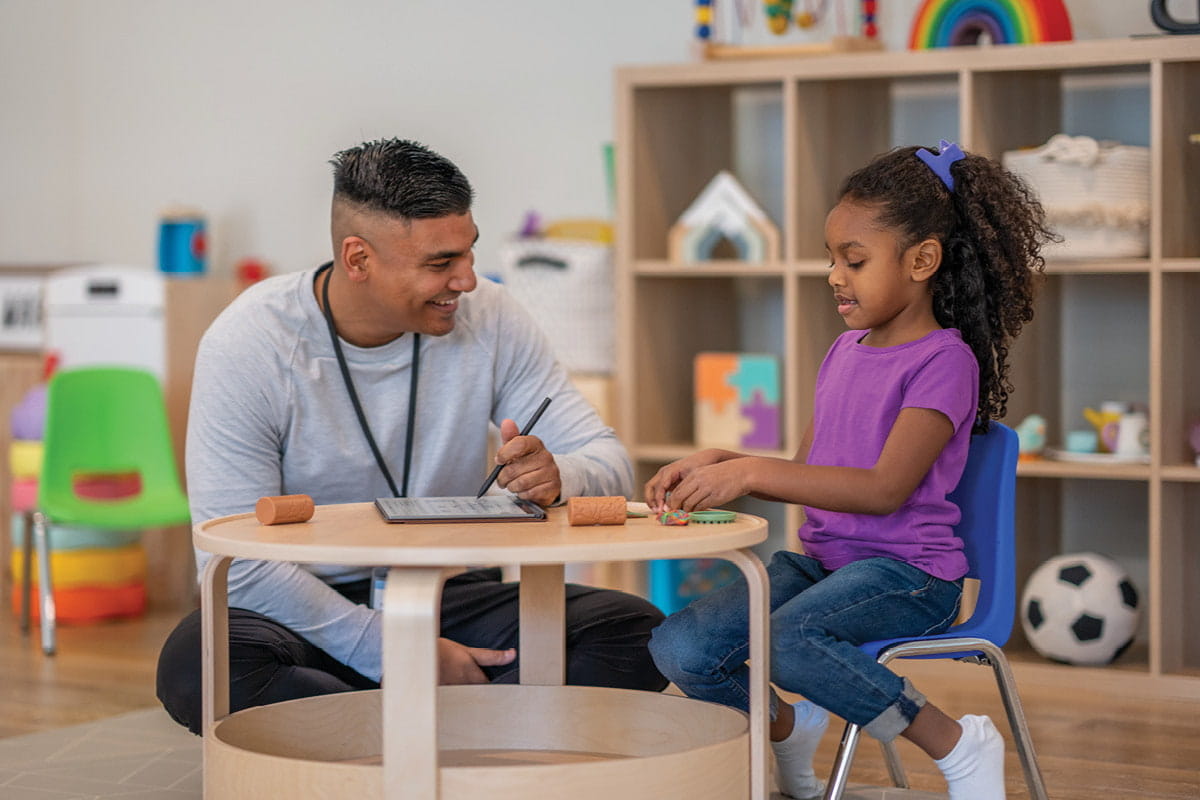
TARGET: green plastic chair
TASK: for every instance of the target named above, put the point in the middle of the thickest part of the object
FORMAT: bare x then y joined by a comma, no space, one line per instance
102,421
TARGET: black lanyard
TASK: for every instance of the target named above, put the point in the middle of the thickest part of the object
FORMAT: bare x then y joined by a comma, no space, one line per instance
362,418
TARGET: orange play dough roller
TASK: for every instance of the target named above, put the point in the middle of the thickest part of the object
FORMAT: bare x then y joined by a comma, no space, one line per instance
283,509
596,510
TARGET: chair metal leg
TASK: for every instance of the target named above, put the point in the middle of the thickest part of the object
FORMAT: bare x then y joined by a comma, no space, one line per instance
841,763
1008,694
891,755
26,571
845,759
895,767
41,538
1016,722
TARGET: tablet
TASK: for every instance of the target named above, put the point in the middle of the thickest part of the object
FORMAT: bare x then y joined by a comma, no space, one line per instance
489,508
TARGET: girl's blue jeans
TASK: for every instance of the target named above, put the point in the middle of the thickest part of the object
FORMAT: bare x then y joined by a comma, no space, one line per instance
818,619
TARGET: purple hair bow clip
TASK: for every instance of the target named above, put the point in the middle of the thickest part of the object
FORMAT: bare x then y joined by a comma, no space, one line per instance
940,164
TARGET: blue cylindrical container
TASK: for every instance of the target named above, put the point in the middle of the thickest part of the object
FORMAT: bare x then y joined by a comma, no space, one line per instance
182,244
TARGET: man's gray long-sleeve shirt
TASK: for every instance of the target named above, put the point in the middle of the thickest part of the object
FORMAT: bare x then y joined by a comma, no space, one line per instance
270,415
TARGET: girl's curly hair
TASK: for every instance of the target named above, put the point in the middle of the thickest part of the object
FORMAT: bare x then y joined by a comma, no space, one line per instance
991,227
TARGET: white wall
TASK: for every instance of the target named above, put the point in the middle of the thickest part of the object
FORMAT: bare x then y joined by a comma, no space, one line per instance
111,110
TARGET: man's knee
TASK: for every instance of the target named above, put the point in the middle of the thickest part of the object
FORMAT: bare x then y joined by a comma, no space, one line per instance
608,636
177,682
258,648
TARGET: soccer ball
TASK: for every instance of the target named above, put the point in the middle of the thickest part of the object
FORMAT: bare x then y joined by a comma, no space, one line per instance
1080,608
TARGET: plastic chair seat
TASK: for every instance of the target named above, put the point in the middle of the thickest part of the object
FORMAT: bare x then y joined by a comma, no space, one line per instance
144,511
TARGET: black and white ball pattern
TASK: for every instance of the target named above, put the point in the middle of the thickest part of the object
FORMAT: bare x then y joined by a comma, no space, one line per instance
1080,608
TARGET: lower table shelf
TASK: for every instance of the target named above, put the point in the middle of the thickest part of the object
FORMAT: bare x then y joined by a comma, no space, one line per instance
505,741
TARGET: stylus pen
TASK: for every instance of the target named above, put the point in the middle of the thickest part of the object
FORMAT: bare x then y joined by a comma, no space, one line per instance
524,432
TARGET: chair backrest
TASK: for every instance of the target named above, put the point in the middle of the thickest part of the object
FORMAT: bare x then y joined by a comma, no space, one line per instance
108,420
986,495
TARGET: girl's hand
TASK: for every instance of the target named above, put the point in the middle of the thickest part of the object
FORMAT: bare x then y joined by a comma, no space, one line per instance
665,480
710,486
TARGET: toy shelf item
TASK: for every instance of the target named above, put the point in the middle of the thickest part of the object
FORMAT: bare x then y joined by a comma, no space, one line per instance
724,211
1096,195
953,23
737,401
727,30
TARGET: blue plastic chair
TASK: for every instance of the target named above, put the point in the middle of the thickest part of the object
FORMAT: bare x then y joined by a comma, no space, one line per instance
986,496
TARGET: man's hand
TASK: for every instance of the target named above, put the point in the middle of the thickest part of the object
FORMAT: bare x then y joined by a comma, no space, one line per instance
530,471
458,663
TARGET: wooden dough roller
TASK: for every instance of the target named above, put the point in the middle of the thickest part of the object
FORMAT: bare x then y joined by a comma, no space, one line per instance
283,509
596,510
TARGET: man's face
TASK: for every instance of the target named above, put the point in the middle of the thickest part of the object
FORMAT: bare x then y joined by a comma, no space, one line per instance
421,269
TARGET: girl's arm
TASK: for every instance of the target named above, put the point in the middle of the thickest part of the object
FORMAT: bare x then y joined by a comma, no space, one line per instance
800,457
912,446
805,444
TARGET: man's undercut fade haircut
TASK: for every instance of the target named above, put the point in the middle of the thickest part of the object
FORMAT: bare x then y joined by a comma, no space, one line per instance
400,178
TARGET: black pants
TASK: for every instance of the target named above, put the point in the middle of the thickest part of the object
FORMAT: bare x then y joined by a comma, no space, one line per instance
606,636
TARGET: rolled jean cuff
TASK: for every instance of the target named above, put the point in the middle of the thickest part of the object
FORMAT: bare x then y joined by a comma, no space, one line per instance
898,716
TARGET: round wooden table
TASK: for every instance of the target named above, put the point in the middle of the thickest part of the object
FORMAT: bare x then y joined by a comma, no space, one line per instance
628,744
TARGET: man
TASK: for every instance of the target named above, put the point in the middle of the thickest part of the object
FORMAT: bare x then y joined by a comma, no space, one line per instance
377,375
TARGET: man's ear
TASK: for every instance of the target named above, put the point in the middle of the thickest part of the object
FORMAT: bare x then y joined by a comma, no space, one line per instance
926,259
355,255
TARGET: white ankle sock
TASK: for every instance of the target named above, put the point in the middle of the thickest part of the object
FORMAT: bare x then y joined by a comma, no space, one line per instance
974,769
794,755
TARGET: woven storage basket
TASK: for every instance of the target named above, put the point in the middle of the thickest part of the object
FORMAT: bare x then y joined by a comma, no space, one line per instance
1096,195
567,285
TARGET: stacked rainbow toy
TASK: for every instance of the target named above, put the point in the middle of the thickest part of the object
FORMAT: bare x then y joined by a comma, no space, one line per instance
96,574
951,23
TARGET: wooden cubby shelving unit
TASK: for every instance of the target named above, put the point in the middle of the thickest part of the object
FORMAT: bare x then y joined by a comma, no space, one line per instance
791,129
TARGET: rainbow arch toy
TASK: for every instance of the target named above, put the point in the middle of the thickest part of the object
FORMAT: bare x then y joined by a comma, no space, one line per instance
951,23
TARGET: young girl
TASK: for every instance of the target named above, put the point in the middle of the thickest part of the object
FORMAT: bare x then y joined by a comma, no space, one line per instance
933,259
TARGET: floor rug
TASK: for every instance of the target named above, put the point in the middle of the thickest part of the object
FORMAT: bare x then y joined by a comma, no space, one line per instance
142,755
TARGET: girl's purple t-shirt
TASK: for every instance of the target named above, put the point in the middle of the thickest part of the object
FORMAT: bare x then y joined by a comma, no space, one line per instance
859,393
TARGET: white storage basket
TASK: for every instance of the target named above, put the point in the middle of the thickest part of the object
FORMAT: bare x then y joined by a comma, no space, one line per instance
567,285
1096,195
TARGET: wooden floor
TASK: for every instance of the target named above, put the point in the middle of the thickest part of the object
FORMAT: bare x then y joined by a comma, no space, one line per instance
1090,745
100,670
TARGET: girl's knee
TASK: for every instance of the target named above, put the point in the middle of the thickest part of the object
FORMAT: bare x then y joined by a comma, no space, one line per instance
797,634
662,641
674,646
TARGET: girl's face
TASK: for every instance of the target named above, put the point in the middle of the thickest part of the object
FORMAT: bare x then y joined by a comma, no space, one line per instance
877,286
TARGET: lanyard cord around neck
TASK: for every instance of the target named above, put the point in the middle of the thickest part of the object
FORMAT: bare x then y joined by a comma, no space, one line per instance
362,418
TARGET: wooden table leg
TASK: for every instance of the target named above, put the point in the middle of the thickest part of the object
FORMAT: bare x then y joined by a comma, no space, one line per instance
543,649
756,579
214,641
412,605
